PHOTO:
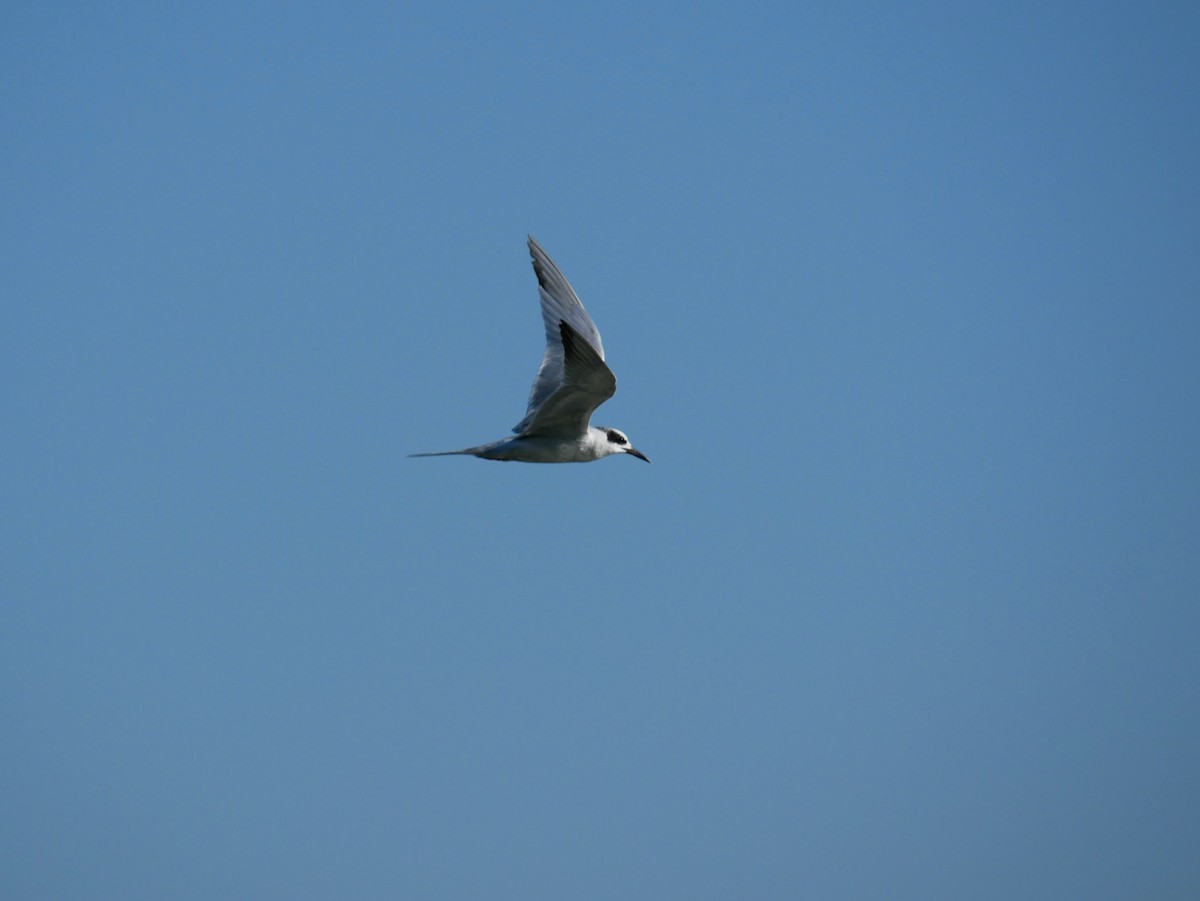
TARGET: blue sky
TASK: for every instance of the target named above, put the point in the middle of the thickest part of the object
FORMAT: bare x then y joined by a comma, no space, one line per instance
903,301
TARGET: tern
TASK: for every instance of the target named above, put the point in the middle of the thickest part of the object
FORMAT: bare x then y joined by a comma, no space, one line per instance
572,381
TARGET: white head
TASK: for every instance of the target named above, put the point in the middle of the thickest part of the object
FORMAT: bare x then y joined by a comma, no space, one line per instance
615,442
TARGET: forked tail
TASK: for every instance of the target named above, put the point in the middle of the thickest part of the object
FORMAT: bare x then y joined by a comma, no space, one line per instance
480,450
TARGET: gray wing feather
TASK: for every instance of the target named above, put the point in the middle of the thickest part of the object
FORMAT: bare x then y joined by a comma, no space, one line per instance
560,303
587,383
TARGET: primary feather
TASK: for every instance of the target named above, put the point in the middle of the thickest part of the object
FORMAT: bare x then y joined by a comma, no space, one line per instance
560,304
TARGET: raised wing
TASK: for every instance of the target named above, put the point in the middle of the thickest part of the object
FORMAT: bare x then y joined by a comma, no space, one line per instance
560,303
586,383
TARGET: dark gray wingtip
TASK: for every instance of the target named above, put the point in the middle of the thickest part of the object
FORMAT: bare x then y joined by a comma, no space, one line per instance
582,365
542,265
576,348
569,340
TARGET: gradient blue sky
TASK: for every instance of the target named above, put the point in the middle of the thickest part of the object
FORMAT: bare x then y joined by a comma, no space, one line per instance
904,301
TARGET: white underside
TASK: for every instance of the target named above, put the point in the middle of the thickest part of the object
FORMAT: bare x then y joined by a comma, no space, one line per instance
590,446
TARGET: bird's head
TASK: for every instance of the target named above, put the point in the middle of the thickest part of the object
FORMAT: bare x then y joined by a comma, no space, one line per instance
617,443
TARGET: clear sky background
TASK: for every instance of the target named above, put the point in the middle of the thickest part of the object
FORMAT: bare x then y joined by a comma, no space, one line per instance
904,301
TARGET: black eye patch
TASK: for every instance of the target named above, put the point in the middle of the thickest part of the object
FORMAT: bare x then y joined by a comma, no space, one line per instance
616,437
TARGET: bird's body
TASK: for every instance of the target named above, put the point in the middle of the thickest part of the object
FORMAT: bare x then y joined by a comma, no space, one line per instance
572,381
590,446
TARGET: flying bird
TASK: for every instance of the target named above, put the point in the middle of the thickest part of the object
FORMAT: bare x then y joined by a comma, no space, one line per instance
571,383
